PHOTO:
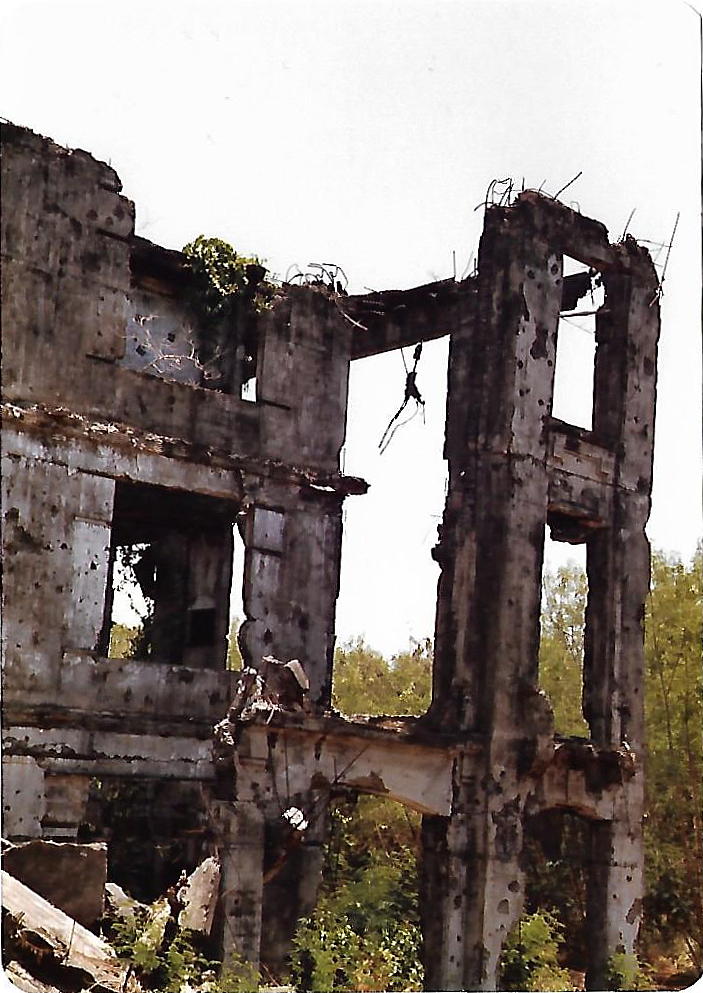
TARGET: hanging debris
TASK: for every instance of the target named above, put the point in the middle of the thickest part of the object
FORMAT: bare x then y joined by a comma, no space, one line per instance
411,393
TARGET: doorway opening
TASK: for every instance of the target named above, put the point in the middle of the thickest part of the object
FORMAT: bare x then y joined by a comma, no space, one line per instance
368,904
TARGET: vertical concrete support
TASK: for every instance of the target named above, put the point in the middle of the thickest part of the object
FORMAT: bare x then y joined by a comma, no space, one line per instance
293,532
302,378
471,874
239,838
618,559
615,886
293,541
618,574
487,637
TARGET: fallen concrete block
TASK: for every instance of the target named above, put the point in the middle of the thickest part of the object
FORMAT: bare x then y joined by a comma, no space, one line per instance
121,904
53,949
199,897
70,876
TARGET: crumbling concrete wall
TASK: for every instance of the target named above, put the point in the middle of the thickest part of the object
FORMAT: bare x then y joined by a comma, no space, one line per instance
124,425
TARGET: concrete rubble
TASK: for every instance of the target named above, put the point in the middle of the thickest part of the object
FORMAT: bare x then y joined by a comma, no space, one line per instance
46,950
198,895
71,877
127,430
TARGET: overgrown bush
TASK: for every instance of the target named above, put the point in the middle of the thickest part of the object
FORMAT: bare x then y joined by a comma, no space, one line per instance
365,932
530,955
169,959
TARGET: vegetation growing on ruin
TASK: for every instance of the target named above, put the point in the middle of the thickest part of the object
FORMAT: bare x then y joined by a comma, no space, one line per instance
365,932
547,949
222,278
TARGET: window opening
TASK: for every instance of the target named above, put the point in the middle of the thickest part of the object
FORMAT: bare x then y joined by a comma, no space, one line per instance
236,602
583,293
562,625
388,581
171,572
248,391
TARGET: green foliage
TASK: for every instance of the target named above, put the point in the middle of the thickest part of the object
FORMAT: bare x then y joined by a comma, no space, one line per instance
222,278
530,955
674,711
626,973
174,964
561,647
366,683
234,656
673,907
364,934
123,641
556,851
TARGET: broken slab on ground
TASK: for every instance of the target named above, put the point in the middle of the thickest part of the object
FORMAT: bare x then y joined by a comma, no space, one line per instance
52,948
70,876
128,433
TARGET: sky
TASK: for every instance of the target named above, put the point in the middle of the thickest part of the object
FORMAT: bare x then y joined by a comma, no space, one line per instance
366,134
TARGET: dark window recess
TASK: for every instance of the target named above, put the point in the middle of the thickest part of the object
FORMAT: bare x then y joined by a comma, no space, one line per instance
170,550
203,627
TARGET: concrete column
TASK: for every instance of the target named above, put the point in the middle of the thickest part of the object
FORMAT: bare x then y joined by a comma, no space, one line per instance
293,540
239,836
615,886
471,889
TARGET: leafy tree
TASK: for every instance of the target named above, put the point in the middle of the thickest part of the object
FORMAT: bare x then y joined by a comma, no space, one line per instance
366,683
561,647
221,277
674,709
123,640
234,656
530,955
364,933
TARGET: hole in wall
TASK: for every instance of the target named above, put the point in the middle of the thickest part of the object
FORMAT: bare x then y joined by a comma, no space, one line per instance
583,293
248,390
170,580
556,857
562,625
236,602
388,578
155,829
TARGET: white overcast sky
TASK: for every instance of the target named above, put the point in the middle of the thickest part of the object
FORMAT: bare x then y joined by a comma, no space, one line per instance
365,133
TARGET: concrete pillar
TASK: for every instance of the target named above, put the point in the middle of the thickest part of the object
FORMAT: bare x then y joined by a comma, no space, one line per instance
614,887
487,635
293,541
239,838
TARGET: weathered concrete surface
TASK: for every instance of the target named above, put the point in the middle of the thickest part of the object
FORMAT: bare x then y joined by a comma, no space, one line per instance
41,932
124,427
52,869
199,896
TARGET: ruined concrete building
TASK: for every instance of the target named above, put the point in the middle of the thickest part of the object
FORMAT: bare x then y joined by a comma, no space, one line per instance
106,448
